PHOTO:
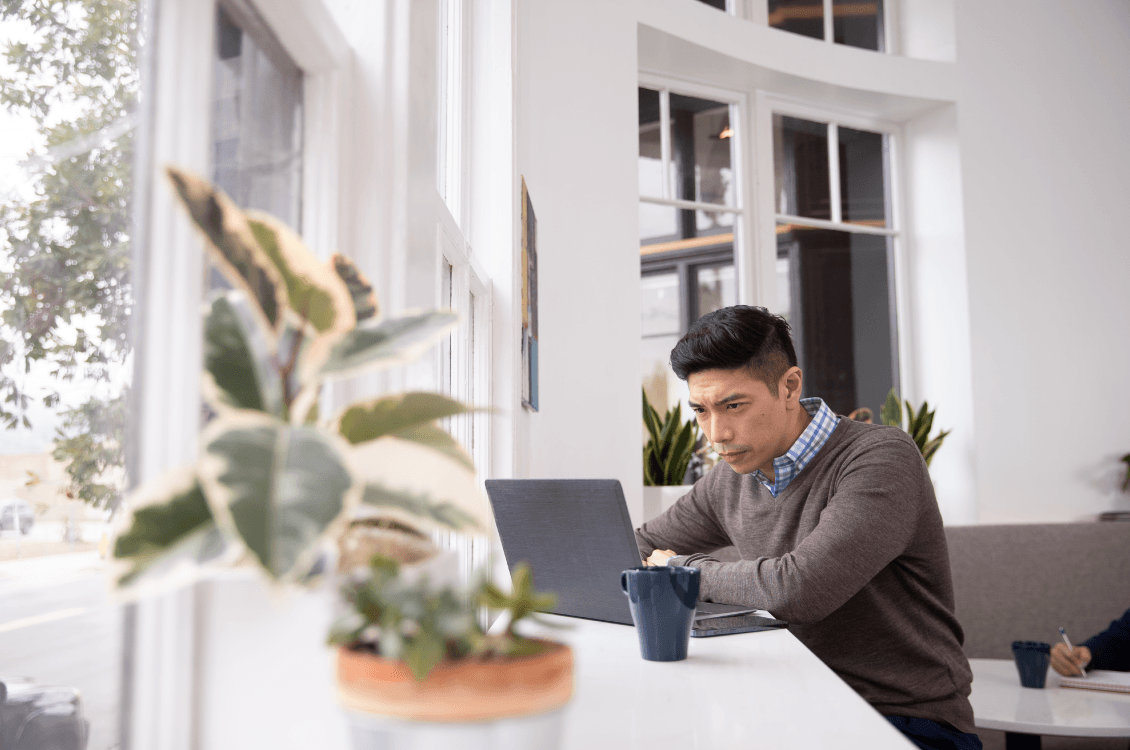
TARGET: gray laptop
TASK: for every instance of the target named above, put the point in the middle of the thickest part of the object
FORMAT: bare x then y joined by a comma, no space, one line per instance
577,537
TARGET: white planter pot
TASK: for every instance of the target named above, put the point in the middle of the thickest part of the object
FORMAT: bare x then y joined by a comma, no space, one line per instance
658,499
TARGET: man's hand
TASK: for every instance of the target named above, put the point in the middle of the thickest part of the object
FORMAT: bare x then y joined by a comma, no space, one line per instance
659,557
1069,662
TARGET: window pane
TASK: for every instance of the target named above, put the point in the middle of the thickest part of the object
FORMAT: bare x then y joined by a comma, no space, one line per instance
658,224
713,222
715,289
804,17
858,24
842,313
659,303
651,150
800,165
719,4
700,150
863,176
258,123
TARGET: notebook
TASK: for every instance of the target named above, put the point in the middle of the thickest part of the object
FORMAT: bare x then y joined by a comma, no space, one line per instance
1100,679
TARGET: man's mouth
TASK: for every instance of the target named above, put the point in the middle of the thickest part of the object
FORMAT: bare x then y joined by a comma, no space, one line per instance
726,451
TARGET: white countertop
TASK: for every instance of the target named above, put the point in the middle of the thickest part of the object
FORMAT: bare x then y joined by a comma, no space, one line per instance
761,689
999,702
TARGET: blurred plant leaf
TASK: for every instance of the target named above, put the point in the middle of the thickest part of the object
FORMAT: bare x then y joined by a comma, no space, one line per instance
364,298
232,246
387,343
891,411
393,463
238,358
670,447
368,420
278,486
314,289
418,507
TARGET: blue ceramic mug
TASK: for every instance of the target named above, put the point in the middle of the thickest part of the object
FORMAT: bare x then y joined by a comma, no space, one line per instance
1031,662
663,602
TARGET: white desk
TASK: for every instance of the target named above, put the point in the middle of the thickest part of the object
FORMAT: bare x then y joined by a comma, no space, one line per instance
999,702
749,690
761,690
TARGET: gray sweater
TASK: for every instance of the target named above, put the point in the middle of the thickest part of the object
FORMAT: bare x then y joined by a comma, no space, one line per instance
852,554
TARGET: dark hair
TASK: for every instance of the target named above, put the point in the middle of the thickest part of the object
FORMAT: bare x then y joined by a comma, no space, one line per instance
735,337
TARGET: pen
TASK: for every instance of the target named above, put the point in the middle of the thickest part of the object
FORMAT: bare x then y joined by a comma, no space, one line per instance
1071,648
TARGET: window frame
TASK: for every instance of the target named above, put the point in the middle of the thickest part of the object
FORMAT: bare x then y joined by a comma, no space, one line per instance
740,164
758,11
766,105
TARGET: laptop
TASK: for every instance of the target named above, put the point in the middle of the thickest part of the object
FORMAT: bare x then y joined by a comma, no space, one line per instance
577,537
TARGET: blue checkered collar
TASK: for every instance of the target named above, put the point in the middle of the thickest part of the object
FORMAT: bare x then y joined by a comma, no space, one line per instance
786,467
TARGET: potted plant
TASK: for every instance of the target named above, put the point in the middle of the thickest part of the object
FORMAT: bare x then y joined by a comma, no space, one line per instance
666,455
919,423
412,649
277,482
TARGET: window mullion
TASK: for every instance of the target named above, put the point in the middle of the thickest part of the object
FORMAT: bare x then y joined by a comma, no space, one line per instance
665,139
834,173
829,28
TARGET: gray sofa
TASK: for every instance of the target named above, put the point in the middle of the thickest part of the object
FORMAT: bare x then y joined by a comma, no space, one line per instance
1023,582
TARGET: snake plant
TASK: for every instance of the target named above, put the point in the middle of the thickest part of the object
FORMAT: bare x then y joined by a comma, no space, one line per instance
919,424
669,447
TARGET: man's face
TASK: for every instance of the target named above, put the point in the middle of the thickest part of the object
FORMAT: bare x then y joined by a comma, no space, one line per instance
740,416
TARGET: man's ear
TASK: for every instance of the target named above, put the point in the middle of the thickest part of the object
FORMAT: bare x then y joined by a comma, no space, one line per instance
792,381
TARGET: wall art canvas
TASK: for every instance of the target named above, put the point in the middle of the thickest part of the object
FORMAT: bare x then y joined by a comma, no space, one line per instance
529,302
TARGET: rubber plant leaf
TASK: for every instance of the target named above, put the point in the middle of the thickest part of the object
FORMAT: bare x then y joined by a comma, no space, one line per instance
278,486
387,343
420,508
317,294
368,420
232,246
238,358
436,438
364,298
170,524
414,470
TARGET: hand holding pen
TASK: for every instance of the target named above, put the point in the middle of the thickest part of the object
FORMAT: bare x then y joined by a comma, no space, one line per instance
1070,661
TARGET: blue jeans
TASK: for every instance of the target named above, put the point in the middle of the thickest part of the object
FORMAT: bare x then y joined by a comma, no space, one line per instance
930,735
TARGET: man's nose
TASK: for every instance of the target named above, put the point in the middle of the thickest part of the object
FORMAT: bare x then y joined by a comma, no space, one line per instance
719,431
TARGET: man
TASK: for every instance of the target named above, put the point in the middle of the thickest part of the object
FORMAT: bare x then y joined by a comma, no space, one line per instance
836,522
1109,649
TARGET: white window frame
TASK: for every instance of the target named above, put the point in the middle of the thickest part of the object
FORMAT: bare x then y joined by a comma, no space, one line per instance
765,106
161,687
758,12
745,271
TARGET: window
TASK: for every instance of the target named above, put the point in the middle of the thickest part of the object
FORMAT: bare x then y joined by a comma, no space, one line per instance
689,212
835,244
856,24
257,119
463,286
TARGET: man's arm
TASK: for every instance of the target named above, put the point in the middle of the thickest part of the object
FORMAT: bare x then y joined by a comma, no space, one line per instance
689,525
868,522
1110,649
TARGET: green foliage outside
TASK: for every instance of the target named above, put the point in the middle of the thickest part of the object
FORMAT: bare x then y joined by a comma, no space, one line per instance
423,625
669,447
919,424
65,292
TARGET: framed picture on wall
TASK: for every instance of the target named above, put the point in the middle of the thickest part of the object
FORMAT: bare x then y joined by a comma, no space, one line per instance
529,302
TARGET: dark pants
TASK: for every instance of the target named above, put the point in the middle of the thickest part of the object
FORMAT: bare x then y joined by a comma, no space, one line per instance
930,735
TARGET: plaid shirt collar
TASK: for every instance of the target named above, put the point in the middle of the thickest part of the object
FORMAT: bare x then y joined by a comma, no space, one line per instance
786,467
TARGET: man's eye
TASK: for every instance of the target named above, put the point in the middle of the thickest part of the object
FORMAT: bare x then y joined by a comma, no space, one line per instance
732,406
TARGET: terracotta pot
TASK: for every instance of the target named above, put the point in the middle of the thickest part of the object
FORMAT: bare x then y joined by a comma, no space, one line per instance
467,690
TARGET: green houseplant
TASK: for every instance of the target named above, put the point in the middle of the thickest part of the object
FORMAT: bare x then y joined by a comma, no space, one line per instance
669,447
276,481
919,424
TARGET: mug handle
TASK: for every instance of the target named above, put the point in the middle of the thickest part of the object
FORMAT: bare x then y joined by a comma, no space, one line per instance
624,582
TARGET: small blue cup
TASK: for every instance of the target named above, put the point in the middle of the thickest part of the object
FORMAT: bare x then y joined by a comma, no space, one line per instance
663,602
1031,662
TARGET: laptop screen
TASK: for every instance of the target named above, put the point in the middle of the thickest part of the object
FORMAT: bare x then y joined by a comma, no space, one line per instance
577,537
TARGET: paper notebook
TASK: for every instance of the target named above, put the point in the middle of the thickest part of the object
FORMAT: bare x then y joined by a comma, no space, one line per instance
1100,679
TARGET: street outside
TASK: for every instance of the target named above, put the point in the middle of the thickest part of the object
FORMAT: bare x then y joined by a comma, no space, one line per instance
59,624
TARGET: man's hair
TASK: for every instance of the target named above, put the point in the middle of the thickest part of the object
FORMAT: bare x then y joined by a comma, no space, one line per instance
736,337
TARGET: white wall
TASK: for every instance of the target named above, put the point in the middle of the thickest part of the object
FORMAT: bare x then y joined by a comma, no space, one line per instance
577,139
1042,117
